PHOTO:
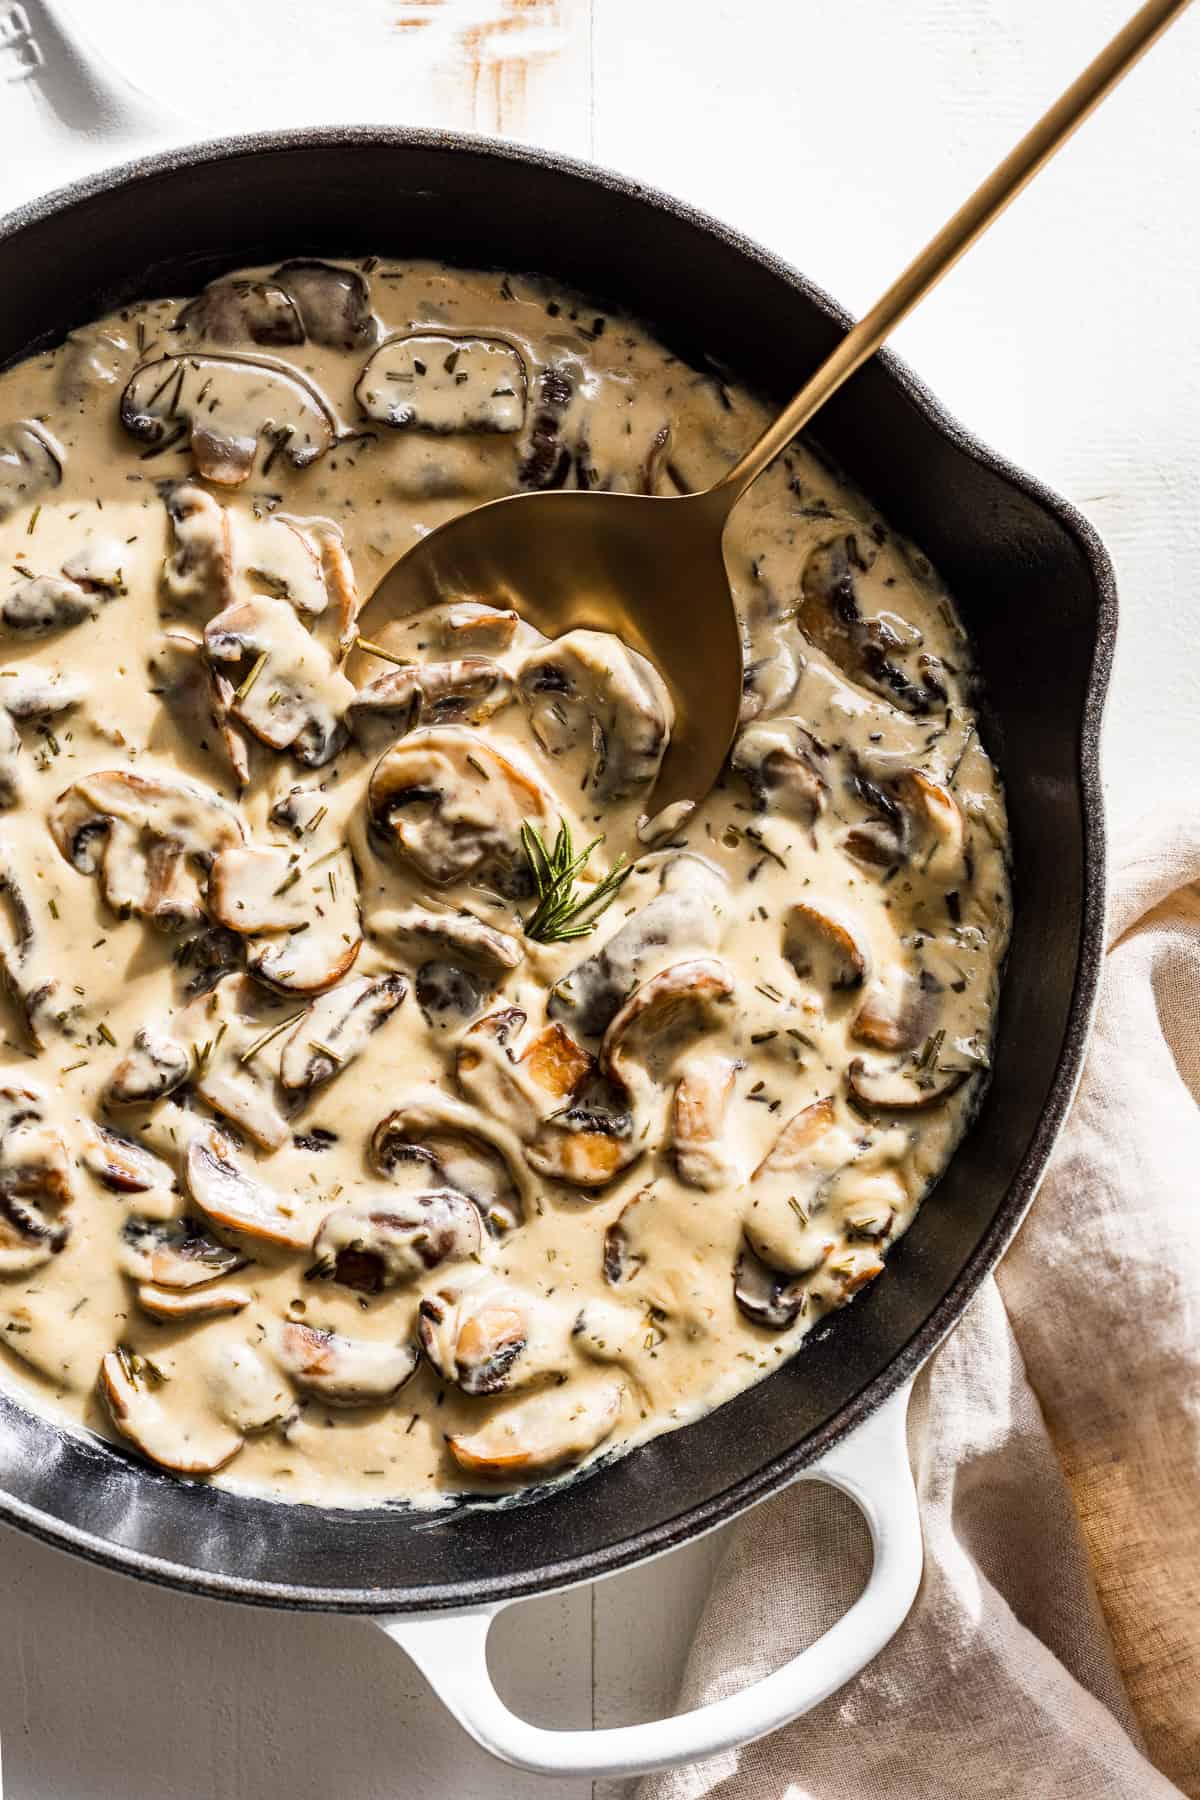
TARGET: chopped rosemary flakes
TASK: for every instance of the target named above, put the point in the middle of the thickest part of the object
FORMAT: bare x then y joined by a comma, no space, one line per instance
373,649
257,669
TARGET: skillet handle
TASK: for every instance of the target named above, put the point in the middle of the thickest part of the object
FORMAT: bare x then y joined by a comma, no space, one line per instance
71,105
872,1467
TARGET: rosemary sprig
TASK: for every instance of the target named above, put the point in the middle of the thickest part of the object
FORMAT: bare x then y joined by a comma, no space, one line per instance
561,914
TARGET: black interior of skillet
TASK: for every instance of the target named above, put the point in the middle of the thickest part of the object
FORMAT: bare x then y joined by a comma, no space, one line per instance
1034,599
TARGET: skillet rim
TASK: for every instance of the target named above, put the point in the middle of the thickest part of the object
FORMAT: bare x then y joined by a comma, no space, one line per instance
776,1474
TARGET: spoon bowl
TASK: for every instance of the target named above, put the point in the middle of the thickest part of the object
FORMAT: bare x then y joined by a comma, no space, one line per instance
649,569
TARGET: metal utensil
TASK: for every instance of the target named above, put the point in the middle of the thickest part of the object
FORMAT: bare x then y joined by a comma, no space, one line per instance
651,568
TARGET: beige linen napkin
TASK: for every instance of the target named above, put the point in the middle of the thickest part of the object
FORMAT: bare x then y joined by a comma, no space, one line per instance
1054,1649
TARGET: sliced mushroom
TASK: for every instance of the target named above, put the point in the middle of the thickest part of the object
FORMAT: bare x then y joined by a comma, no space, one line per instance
387,1247
210,955
303,931
541,1434
783,766
701,1153
231,1033
36,1187
144,836
337,1029
590,1141
39,604
179,1307
453,808
459,936
174,1253
290,694
437,383
434,1140
784,1195
92,360
198,575
898,1009
140,1413
334,302
121,1164
37,693
688,913
588,687
766,1297
911,1087
823,948
31,462
547,460
467,691
623,1257
247,1391
343,1371
522,1090
492,1337
466,628
24,958
340,585
938,831
237,311
279,556
868,649
222,405
662,1017
198,697
240,1202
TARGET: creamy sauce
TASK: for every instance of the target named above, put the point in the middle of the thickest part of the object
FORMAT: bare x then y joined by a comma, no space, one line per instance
319,1174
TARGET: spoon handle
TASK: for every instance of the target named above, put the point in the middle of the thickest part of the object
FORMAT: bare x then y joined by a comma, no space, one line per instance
956,236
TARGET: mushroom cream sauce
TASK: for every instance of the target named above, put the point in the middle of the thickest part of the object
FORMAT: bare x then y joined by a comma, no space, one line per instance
318,1174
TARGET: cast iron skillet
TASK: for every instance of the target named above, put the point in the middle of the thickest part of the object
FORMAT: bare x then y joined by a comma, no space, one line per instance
1036,590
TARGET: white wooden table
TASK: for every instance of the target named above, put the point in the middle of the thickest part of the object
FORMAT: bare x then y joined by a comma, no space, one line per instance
840,135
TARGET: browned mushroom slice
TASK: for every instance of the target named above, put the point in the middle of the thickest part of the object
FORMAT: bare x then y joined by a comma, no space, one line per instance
898,1009
520,1090
24,958
441,384
911,1087
247,1392
340,585
180,1306
823,948
766,1297
290,695
702,1157
493,1338
466,628
385,1247
140,1412
35,1184
235,1041
303,929
337,1028
174,1253
334,302
589,1142
467,691
688,913
434,1139
240,1202
280,556
237,311
121,1164
343,1371
37,605
207,957
784,1193
784,768
937,822
587,687
222,405
198,576
661,1018
453,808
845,1274
541,1434
31,462
869,649
145,838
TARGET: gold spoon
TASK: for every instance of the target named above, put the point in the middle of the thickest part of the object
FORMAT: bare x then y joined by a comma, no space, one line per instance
650,568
